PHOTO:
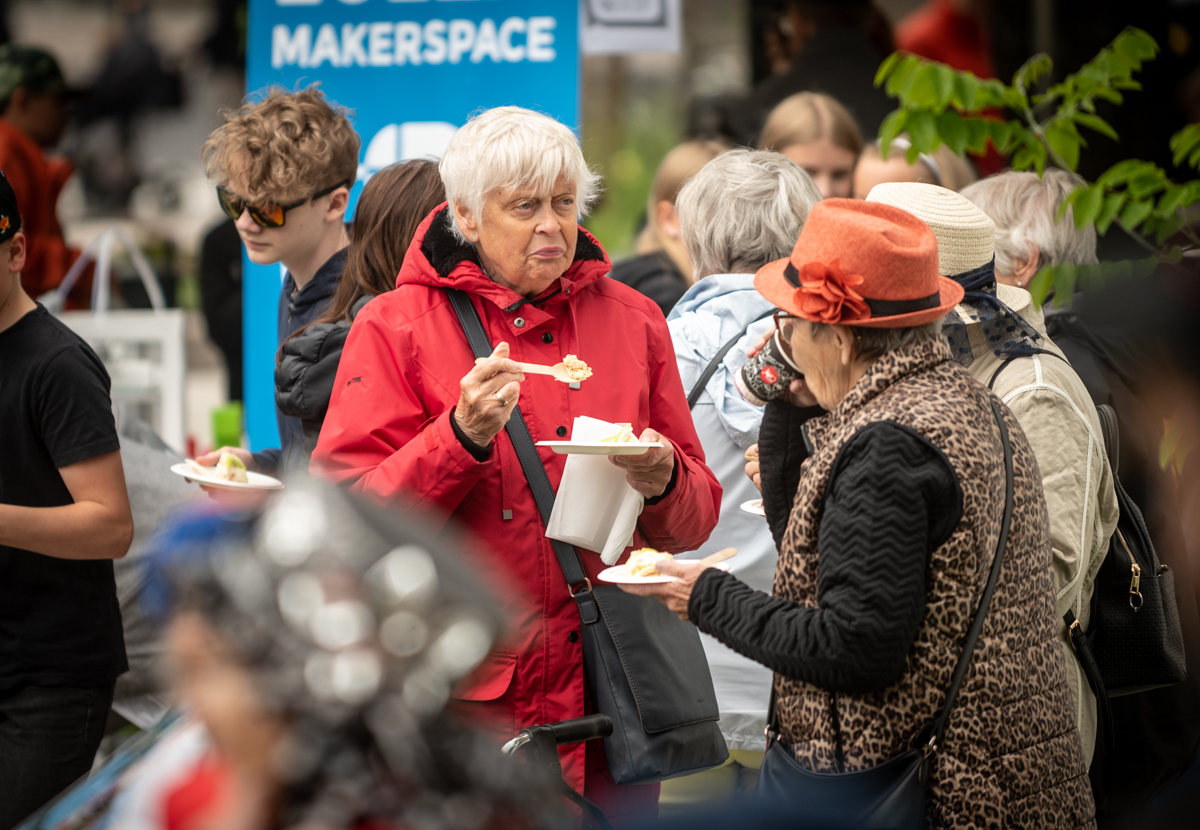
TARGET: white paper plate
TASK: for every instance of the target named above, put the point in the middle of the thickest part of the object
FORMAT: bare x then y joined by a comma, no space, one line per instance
598,447
754,506
620,575
257,481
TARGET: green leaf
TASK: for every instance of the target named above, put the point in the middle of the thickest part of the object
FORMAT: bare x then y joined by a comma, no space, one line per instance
965,90
943,84
1039,286
1113,203
978,131
1194,158
1146,183
1022,159
891,127
1001,133
923,131
1033,70
953,131
1064,282
923,92
1120,172
885,68
1064,141
1110,95
1094,122
1169,202
900,81
1184,142
1039,157
1135,213
1087,205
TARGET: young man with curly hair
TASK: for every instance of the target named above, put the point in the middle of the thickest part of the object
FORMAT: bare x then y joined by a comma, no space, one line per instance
284,166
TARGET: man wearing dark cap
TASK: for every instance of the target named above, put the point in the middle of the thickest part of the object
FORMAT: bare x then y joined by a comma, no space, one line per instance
33,115
64,515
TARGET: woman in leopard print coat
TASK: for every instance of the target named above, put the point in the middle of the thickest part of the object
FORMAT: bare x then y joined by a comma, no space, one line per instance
893,512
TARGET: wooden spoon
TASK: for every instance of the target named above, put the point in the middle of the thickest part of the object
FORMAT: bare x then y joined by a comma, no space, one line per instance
719,556
558,371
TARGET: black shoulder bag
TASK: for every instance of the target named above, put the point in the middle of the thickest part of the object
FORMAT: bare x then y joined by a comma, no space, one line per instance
645,667
891,795
1134,632
713,364
1134,642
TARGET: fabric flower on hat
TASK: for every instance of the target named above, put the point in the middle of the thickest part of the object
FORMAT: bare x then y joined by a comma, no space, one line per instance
826,294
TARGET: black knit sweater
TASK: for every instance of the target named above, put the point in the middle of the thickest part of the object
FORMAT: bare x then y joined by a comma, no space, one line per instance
892,499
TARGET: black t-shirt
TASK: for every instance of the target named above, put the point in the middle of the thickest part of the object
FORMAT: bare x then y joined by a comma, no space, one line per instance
60,624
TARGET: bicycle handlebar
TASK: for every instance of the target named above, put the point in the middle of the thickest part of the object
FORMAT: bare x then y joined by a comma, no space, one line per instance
586,728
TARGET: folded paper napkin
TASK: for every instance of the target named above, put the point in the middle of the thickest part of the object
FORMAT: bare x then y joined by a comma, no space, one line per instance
595,508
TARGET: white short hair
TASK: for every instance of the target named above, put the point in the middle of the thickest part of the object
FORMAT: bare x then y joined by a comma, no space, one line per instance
509,147
744,208
1025,210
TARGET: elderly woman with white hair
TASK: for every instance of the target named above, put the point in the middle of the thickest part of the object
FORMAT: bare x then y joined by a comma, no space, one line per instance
744,209
417,424
1029,233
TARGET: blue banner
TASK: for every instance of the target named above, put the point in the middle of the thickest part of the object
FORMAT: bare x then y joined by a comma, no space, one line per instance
412,71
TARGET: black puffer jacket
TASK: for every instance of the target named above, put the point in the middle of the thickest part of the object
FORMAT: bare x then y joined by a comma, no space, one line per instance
305,369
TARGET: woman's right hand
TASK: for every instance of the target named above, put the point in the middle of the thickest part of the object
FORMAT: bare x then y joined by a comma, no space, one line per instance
487,397
761,341
753,471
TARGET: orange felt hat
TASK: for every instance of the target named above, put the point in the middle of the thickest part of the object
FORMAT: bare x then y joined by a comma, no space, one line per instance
861,264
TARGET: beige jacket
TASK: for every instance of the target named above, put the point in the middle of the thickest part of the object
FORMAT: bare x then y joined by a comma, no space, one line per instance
1059,419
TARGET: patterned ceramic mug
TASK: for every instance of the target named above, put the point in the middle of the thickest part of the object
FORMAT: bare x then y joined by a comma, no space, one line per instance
767,375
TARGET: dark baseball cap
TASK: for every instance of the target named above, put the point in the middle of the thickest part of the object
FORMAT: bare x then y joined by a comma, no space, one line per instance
29,67
10,217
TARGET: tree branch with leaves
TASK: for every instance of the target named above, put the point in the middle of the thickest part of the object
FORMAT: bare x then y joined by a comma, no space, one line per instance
941,105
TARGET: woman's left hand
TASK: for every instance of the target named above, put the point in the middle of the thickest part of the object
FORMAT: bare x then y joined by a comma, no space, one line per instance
674,595
650,472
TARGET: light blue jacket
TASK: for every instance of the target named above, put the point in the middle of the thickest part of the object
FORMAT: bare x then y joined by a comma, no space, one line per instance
705,318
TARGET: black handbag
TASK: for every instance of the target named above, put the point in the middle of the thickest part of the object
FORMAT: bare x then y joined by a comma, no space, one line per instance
645,667
1134,633
891,795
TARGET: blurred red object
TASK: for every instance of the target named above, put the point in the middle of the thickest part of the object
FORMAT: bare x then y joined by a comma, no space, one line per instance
948,32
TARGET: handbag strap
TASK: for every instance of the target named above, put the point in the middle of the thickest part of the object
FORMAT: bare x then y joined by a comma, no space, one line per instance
531,463
964,661
960,671
711,368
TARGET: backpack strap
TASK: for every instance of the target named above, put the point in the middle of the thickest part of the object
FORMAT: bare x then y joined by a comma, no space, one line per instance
713,364
1112,437
992,380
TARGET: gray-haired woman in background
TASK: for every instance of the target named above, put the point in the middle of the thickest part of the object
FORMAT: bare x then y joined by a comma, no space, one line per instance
742,210
1029,234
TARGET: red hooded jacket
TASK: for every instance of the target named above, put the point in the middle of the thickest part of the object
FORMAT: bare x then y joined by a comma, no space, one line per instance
388,431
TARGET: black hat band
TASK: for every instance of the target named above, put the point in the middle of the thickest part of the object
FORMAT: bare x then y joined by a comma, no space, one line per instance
879,308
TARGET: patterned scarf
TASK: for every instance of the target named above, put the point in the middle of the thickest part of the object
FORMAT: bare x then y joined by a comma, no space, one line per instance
1007,332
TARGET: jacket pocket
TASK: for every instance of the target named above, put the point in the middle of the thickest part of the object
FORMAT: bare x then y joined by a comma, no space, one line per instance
490,680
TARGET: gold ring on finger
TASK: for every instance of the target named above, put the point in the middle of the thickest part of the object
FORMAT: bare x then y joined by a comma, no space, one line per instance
502,399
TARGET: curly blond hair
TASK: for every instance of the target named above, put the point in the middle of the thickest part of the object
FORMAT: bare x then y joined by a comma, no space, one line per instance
284,146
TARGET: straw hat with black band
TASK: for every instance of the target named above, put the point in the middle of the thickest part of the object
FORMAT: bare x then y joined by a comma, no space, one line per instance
966,254
861,264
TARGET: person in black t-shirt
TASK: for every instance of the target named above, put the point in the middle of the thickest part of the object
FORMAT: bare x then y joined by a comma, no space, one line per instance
64,515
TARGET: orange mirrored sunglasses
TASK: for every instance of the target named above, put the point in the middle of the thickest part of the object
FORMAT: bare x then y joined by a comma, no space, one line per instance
266,215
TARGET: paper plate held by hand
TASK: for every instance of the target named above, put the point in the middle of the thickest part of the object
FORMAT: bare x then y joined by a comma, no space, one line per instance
202,476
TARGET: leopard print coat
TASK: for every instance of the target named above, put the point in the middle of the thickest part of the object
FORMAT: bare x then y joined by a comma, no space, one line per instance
1011,756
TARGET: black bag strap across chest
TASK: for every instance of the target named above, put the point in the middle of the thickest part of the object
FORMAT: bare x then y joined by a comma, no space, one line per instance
527,455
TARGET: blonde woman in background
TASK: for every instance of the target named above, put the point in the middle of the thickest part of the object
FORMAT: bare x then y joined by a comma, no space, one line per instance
660,269
943,167
820,135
